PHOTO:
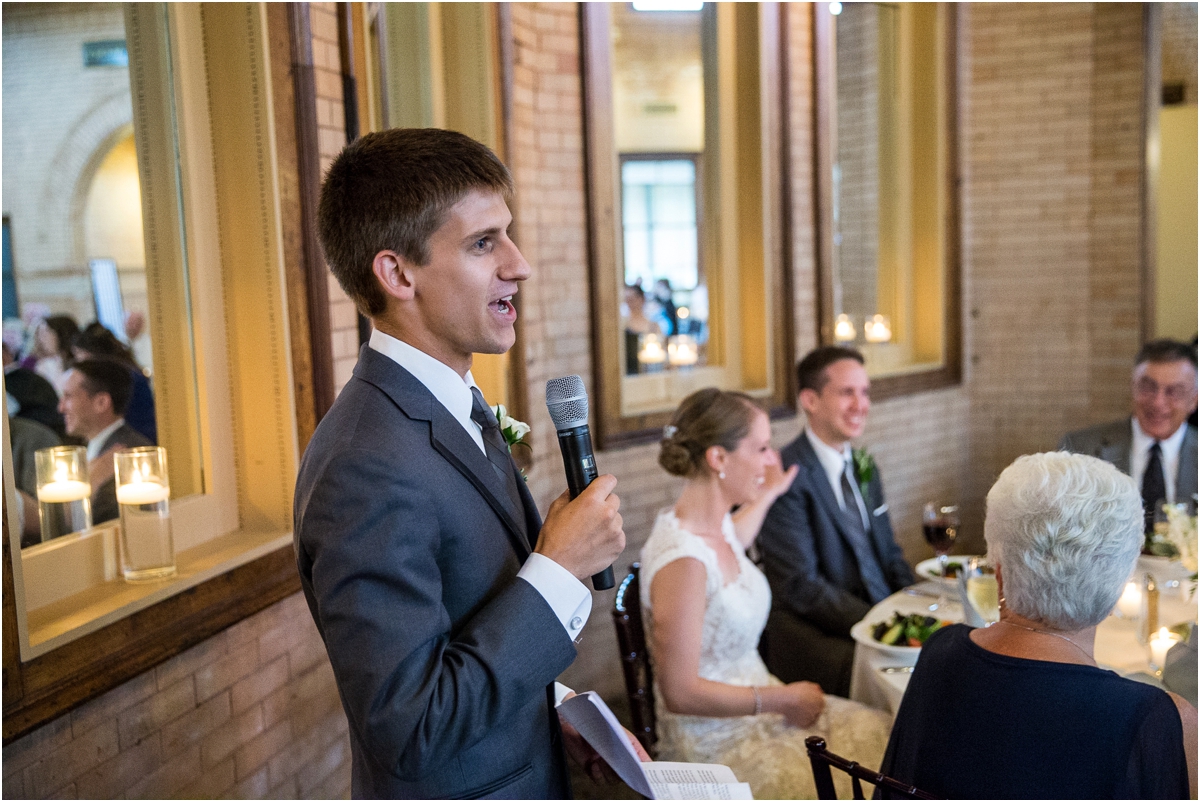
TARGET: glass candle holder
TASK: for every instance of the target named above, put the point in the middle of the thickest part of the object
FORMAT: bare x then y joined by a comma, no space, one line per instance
143,495
1161,643
63,490
682,351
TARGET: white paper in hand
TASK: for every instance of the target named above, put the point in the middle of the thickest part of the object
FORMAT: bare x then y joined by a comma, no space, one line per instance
588,714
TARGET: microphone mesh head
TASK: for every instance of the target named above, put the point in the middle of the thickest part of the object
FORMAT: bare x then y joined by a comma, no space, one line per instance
567,401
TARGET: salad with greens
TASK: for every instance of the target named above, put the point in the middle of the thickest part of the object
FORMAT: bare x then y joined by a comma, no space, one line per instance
906,630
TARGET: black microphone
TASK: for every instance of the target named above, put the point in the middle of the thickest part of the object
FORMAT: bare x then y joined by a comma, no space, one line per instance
567,401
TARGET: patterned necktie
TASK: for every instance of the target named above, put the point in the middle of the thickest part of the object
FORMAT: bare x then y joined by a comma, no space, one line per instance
868,563
497,452
1154,487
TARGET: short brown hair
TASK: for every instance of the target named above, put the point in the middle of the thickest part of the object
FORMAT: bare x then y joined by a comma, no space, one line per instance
706,418
391,190
810,373
106,375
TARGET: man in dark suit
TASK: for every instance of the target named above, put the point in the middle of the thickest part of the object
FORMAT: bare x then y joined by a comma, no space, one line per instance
1156,445
95,395
827,546
446,606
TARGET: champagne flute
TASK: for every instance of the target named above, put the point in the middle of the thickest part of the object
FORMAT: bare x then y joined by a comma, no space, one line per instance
941,528
983,592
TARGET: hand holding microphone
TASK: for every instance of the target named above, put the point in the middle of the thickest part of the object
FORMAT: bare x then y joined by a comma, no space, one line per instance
584,533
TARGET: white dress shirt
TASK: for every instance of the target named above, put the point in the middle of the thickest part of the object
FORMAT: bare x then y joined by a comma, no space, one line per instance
834,462
1139,455
93,446
567,596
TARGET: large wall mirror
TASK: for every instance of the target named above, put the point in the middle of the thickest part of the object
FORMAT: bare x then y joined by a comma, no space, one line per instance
145,137
84,177
886,176
685,190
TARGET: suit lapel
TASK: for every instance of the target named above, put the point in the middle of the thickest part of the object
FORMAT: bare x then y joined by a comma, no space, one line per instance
820,480
1117,447
1185,477
447,435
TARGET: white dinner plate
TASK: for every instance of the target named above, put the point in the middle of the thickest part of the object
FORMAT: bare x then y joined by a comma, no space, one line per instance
861,632
929,569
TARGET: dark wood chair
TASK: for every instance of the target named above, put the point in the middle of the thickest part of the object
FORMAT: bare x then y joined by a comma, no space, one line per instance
823,760
639,678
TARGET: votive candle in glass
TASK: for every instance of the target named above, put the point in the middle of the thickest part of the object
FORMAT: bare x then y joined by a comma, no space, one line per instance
63,490
143,495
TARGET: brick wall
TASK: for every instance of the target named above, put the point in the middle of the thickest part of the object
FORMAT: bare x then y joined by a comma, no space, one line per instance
250,713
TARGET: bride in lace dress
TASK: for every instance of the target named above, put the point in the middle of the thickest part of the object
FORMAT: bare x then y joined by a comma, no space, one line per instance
706,605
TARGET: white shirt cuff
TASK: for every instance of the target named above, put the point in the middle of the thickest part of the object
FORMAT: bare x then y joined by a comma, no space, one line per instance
570,600
560,693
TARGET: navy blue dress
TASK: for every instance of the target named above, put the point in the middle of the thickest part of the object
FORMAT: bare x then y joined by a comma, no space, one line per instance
976,725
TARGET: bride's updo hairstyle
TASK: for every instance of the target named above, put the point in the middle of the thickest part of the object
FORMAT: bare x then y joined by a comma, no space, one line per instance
706,418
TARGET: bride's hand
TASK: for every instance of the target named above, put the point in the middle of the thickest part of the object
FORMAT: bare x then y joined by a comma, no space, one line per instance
801,703
776,481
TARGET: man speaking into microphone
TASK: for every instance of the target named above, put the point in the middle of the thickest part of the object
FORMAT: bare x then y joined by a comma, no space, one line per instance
447,607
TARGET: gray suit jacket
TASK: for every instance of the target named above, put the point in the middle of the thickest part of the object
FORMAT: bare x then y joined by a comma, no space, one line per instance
408,553
806,552
1112,442
104,500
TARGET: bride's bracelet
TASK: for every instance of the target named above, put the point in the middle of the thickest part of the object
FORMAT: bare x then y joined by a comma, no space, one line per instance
757,700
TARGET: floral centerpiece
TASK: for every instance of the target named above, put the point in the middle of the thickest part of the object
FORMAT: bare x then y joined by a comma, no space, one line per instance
1181,534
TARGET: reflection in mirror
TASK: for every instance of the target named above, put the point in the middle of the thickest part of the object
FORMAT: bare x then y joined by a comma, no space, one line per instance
889,197
79,288
658,120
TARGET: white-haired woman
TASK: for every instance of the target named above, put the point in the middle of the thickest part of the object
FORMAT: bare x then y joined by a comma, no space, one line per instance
706,605
1020,710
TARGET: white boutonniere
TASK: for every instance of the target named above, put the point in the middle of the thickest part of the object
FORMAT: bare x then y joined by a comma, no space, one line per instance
514,431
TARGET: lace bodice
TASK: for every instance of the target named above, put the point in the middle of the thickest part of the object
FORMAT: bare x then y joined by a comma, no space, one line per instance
735,613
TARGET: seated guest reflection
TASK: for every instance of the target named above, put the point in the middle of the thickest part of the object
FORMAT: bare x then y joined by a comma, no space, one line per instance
1157,445
34,397
636,324
26,437
95,396
97,342
827,544
706,605
1020,710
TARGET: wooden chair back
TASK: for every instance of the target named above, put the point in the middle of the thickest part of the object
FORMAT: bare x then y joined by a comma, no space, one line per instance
635,661
823,761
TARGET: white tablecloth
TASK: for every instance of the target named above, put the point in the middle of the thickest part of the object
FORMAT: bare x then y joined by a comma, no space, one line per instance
1117,645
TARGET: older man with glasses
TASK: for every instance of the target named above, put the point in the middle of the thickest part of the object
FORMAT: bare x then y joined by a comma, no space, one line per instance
1157,446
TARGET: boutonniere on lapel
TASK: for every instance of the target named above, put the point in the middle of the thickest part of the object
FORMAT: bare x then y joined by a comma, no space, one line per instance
864,469
514,432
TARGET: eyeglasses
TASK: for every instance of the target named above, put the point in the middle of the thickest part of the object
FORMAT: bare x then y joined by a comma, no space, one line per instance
1146,388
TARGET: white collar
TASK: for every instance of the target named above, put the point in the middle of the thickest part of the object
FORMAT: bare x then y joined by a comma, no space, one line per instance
93,446
450,389
832,460
1170,447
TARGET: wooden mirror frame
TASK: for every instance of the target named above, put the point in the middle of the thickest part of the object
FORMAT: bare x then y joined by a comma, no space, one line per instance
614,429
949,373
46,687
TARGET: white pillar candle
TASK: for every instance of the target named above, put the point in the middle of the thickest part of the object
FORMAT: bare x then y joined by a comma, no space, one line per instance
64,490
1130,603
1160,644
139,493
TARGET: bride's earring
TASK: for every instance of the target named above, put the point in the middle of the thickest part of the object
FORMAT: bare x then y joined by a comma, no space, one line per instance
721,475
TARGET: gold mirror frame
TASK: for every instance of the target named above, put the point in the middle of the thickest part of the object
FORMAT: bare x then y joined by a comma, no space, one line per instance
825,110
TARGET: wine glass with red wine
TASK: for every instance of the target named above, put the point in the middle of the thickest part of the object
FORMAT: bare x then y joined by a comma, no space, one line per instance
941,528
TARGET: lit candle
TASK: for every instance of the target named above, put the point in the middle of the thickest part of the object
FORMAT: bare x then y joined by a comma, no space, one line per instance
843,329
878,329
1130,603
1160,644
142,492
652,351
64,490
682,350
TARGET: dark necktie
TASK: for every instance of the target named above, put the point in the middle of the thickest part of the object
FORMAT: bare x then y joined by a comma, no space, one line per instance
860,543
497,452
1154,487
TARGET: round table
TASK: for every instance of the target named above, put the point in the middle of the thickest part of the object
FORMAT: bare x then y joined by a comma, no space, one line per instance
1117,645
